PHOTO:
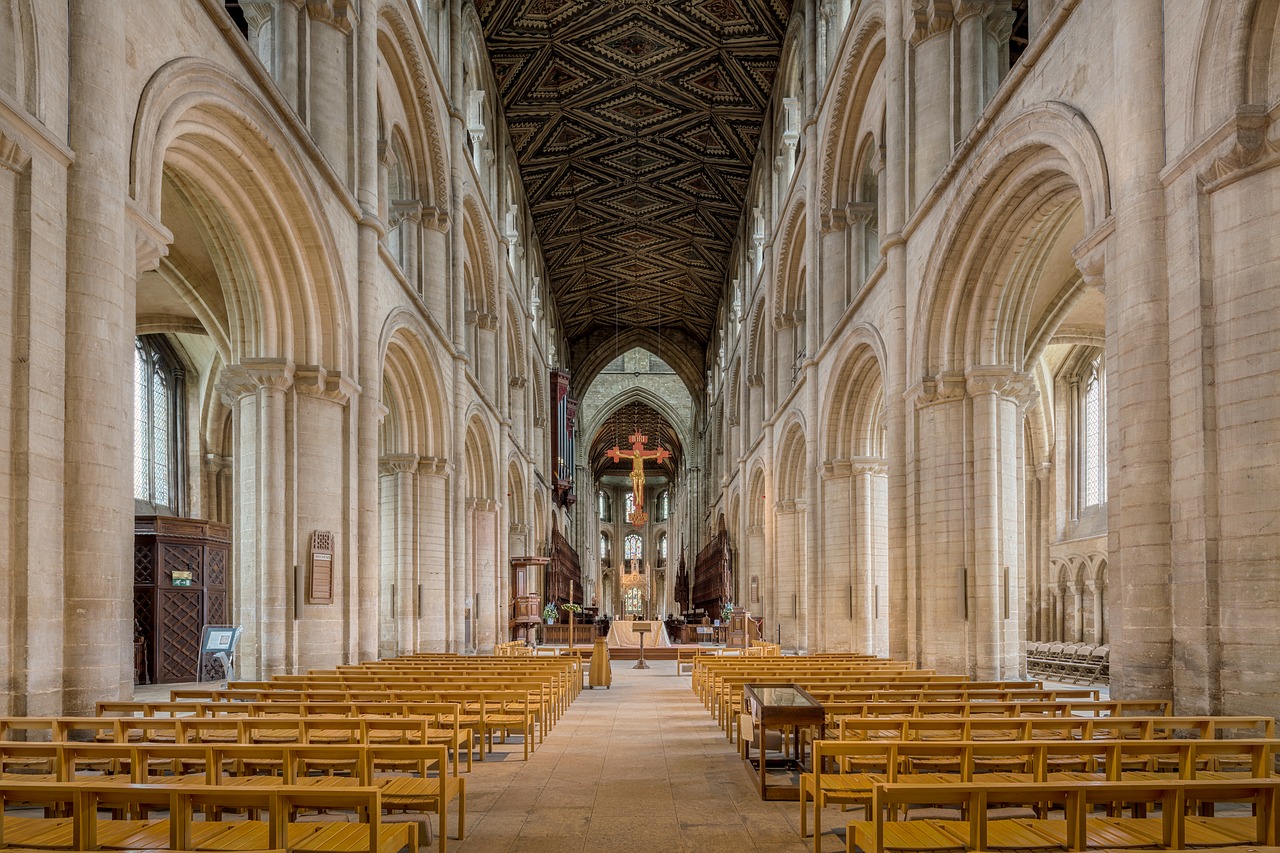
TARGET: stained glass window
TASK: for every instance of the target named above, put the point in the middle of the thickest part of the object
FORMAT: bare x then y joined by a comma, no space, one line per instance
631,503
602,505
662,546
157,378
631,547
633,600
1093,437
604,548
664,505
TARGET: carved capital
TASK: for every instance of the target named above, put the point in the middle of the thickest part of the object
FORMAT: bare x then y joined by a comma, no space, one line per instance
256,12
872,466
434,466
435,218
314,381
410,209
1248,141
834,219
253,375
482,504
1090,255
150,239
398,463
1003,382
338,14
215,464
927,18
836,469
517,382
755,380
12,155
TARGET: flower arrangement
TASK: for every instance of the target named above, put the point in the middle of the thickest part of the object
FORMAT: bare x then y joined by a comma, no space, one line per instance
571,607
726,612
549,612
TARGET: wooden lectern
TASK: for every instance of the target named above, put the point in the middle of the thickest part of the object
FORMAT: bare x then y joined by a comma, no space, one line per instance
641,630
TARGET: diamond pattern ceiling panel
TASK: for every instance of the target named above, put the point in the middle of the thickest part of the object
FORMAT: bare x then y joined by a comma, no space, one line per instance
635,123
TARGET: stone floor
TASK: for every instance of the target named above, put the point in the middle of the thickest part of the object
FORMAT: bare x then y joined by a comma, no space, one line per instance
637,768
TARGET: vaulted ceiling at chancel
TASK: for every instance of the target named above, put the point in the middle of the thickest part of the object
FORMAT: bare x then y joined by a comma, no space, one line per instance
635,123
616,431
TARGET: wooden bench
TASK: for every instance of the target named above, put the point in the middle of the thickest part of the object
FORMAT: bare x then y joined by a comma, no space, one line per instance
1077,829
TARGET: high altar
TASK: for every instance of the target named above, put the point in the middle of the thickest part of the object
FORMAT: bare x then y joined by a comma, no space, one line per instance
622,634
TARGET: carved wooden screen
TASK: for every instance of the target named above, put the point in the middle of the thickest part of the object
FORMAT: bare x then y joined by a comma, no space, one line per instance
180,584
711,576
320,586
564,573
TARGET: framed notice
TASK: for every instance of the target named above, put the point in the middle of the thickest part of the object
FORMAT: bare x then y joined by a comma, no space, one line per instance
755,589
220,638
320,574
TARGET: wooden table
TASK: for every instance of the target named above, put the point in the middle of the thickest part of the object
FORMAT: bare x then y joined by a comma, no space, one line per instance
777,706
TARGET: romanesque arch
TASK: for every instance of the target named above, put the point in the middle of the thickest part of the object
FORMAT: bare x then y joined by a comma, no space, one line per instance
792,587
854,536
20,61
486,576
859,75
1236,62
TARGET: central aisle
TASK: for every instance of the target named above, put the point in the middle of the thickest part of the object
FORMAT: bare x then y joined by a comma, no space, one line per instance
639,768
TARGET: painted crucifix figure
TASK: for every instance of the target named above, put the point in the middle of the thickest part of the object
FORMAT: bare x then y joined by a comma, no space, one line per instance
638,455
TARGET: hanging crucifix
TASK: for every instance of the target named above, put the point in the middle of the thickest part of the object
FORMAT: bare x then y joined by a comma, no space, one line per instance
638,455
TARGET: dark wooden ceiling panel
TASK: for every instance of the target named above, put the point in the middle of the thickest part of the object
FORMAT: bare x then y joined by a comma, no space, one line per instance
635,123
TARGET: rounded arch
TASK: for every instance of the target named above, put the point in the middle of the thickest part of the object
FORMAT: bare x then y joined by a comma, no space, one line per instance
637,394
756,496
411,381
859,66
788,307
401,55
755,344
479,268
219,144
855,405
793,465
1041,176
515,492
1236,61
480,459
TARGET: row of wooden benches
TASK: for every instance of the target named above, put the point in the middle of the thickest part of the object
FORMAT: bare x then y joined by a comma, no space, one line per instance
847,772
1074,825
411,777
73,818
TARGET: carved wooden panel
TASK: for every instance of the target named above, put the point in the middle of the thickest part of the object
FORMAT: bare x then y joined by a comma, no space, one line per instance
216,567
180,621
181,557
144,565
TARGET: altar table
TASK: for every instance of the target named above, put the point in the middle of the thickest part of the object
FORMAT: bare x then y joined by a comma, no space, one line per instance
622,634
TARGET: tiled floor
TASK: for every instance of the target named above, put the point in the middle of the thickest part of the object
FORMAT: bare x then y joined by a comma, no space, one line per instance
637,768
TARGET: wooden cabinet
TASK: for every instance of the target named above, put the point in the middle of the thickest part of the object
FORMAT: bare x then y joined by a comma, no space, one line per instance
180,584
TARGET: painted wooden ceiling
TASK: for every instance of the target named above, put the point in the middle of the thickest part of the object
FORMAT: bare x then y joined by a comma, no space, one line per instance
617,429
635,123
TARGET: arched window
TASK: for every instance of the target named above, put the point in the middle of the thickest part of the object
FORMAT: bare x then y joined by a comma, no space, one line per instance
604,549
1093,435
662,548
603,506
631,547
631,504
664,505
157,455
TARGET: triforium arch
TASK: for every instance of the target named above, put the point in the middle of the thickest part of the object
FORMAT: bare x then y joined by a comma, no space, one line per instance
859,74
413,488
1235,65
755,566
486,579
789,308
481,306
853,593
989,309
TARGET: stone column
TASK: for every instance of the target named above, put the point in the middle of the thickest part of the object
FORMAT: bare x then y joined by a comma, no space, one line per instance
899,610
1137,357
370,231
483,513
931,96
401,470
869,571
328,91
839,563
432,556
984,28
997,533
288,23
263,586
98,504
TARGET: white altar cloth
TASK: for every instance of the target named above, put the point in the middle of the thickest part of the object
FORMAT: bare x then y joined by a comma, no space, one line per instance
622,634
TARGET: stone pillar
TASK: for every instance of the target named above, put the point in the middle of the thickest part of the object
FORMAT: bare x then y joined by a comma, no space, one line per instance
839,564
400,470
983,29
869,571
288,23
98,505
1038,11
263,585
931,97
898,609
328,91
483,515
369,405
1137,358
434,548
